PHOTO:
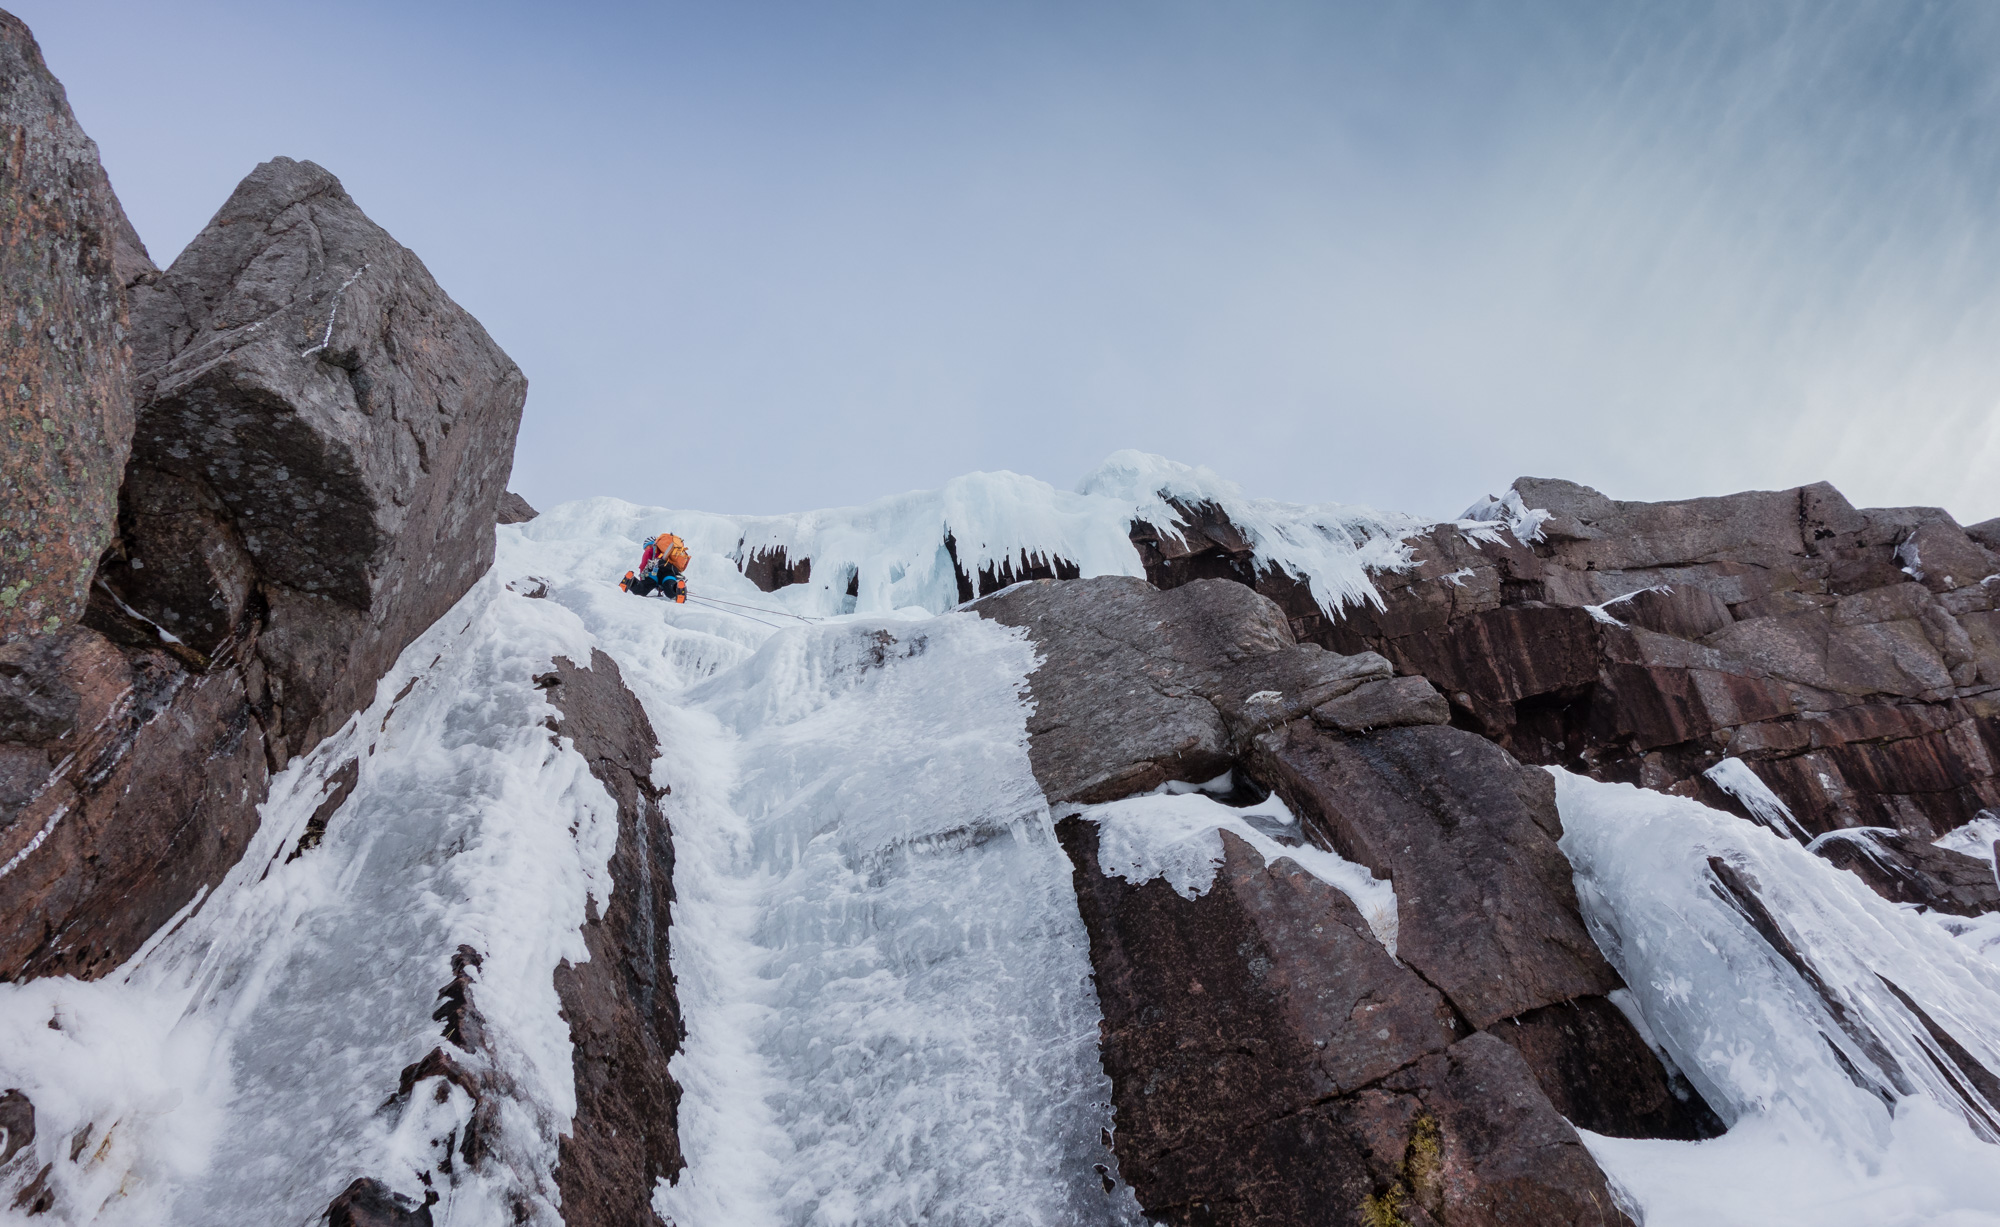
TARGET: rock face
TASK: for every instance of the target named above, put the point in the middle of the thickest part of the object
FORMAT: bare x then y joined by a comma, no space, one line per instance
772,568
141,797
1850,657
624,1016
296,508
1907,870
1486,908
1270,1061
321,427
68,403
370,1203
1142,686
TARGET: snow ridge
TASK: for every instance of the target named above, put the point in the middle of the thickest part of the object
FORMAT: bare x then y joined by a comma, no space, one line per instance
893,551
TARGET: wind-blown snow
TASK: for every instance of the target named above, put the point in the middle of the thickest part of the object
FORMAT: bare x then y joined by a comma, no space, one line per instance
1823,1065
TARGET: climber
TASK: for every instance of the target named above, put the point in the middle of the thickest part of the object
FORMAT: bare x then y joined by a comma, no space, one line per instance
662,569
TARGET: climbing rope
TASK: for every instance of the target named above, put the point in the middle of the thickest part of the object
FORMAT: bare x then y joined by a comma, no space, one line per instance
783,613
733,613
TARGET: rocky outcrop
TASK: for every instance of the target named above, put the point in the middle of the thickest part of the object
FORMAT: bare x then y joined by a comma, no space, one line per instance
1850,657
1486,909
1141,686
145,793
370,1203
324,430
322,439
772,568
1271,1062
1843,654
455,1097
624,1016
68,414
514,509
1904,869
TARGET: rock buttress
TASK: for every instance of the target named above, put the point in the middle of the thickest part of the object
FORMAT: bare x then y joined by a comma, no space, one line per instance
321,444
1270,1061
624,1016
1850,657
65,353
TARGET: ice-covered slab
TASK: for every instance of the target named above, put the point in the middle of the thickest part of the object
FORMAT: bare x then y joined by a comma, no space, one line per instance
1836,1031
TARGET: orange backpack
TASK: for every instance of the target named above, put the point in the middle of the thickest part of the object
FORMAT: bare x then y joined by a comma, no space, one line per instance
673,549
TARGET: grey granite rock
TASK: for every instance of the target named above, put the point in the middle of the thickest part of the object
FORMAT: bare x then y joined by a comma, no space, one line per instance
1390,703
339,430
1138,686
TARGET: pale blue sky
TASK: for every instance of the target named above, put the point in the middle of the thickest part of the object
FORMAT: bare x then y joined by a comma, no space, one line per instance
763,257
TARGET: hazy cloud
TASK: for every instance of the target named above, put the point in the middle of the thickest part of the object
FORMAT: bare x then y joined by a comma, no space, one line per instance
763,257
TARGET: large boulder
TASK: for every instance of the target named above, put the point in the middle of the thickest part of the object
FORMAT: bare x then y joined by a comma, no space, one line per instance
1272,1064
1907,870
1486,909
323,438
322,433
1140,686
67,361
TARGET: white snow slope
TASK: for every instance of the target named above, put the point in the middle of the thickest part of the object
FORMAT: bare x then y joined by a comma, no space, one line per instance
883,974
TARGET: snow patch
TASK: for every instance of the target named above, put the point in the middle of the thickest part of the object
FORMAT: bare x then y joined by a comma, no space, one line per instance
1975,838
1177,835
1776,1172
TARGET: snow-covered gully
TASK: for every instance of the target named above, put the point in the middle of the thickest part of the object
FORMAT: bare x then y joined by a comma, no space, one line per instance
887,998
